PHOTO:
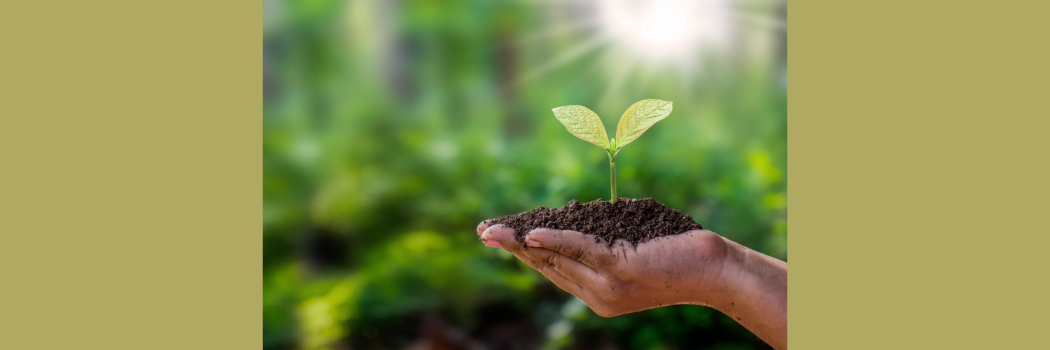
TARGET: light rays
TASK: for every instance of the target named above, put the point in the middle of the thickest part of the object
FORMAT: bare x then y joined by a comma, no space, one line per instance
620,76
565,58
644,38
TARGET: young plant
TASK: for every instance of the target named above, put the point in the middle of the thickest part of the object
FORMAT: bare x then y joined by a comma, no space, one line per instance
586,125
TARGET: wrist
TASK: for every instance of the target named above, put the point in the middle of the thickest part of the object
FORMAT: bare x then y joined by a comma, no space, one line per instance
720,274
751,288
708,260
735,274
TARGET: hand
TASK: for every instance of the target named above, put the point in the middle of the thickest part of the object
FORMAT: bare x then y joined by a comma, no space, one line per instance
619,278
696,267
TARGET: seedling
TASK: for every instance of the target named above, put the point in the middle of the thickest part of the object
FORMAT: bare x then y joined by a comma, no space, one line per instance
586,125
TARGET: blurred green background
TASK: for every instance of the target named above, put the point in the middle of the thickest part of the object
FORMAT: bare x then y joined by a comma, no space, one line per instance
392,128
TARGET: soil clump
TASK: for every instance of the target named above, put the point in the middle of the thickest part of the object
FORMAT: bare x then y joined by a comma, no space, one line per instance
633,220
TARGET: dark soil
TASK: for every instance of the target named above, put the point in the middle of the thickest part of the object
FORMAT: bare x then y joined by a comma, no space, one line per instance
633,220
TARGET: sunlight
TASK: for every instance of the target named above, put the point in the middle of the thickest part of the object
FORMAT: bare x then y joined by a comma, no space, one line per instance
664,31
631,42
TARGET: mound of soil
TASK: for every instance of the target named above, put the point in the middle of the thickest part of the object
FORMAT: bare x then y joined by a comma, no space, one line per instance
633,220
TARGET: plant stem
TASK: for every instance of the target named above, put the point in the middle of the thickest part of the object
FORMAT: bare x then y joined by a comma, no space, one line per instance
612,174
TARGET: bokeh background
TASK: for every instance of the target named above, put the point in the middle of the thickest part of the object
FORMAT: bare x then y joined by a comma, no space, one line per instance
392,128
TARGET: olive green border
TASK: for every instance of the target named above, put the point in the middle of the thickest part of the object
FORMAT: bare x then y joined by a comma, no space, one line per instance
917,174
130,193
130,199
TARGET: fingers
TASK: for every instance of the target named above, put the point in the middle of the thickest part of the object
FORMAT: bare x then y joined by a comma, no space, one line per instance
545,260
565,272
483,225
500,236
559,280
574,245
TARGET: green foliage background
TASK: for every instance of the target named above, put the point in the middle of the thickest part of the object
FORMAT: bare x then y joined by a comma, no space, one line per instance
391,129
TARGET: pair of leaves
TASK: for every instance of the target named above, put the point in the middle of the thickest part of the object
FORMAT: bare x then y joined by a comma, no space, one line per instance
638,118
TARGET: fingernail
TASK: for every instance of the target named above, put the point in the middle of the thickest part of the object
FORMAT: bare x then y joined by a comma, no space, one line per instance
493,243
533,243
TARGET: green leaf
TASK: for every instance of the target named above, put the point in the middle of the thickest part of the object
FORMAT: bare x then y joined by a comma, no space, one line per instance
583,123
638,118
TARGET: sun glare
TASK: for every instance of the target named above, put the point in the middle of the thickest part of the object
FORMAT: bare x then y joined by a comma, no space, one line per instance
666,30
640,39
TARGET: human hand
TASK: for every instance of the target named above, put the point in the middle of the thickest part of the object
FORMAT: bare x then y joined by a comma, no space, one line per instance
617,279
696,267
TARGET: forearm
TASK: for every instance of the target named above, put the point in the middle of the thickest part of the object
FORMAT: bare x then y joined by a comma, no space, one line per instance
752,289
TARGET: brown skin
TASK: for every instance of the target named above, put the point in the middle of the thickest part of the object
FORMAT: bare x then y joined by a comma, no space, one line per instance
697,267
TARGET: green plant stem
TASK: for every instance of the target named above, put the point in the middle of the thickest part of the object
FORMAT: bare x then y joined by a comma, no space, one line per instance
612,174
